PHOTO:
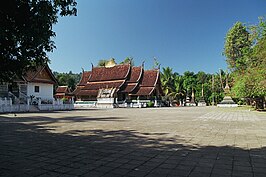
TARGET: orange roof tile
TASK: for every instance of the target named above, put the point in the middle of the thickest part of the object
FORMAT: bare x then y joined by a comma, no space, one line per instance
117,72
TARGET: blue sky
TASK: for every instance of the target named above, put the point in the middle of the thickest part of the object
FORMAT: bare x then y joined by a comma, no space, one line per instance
182,34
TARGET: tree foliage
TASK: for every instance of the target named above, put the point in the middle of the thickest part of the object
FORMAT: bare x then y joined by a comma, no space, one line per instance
102,62
176,87
26,33
67,79
237,47
128,60
249,81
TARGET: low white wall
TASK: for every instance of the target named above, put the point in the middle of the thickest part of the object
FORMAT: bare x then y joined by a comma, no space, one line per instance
50,107
227,105
14,108
85,104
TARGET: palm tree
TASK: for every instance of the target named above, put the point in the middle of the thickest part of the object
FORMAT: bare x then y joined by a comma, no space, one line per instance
167,80
172,84
178,92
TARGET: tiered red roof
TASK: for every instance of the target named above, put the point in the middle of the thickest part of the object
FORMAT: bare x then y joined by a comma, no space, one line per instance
83,81
106,84
134,78
150,78
63,91
126,79
118,72
105,77
135,74
84,78
148,83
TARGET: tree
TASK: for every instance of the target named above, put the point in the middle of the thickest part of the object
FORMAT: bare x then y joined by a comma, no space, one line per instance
250,83
102,62
237,47
26,33
68,79
177,92
167,77
128,60
189,81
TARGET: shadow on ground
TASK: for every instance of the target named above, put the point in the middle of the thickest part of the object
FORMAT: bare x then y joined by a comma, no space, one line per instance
28,150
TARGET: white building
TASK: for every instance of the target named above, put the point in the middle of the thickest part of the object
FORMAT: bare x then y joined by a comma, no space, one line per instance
35,84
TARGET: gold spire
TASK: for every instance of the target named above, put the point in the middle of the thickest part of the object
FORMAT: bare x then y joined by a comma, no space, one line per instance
110,63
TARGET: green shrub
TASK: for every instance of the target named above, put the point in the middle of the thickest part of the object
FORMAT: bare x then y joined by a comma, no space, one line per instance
150,104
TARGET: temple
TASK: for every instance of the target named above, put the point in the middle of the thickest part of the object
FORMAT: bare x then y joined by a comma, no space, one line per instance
121,84
63,92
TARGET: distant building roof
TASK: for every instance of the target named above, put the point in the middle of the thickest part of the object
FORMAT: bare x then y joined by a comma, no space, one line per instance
63,91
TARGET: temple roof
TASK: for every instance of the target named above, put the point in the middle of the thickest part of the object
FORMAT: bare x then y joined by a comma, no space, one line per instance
143,91
87,93
41,74
117,72
106,84
135,74
77,89
129,87
84,78
148,83
125,78
134,78
150,78
62,89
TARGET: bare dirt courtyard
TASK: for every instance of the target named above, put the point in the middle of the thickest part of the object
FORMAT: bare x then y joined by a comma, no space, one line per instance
185,141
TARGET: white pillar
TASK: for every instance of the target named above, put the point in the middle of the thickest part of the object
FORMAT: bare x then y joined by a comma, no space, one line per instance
155,102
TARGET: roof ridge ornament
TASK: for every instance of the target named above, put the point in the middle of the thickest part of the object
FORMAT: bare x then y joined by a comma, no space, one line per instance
142,65
159,67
